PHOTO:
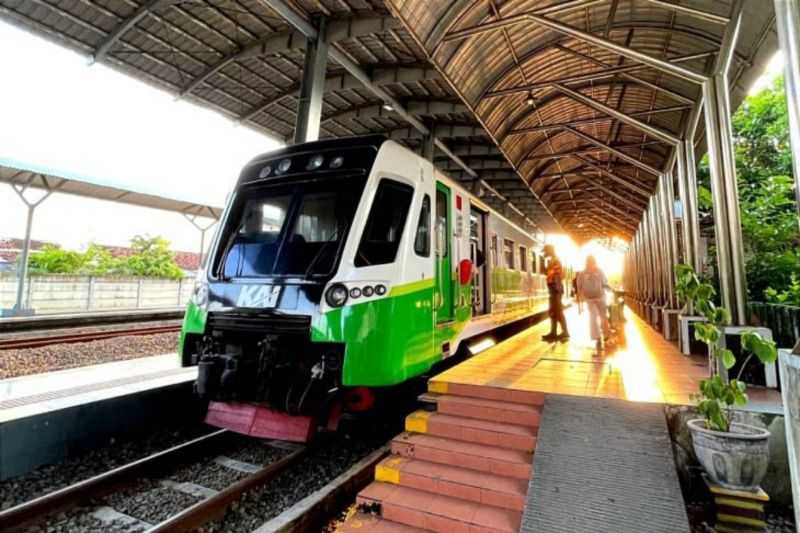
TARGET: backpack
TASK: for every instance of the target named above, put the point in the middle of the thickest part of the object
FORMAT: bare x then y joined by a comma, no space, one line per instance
592,285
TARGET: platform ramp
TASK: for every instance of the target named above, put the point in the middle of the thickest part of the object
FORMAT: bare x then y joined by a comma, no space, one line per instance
603,466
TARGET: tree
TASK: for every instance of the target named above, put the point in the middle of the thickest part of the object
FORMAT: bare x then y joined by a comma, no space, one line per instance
766,198
54,260
152,258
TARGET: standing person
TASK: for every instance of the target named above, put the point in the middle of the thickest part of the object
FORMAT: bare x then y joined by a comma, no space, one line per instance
555,288
592,285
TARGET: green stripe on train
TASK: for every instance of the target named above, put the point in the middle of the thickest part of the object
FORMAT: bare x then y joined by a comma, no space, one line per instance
391,339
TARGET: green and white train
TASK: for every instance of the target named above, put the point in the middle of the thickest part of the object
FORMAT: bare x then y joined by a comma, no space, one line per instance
340,268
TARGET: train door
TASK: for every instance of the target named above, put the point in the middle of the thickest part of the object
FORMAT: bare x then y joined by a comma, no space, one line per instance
477,254
444,259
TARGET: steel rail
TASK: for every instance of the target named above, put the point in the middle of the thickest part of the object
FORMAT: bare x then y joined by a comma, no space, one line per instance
214,507
72,495
87,336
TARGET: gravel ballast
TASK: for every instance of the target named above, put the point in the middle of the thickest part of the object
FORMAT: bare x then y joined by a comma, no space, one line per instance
150,502
26,361
48,478
330,457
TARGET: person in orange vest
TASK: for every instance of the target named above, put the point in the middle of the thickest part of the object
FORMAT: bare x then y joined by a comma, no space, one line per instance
555,288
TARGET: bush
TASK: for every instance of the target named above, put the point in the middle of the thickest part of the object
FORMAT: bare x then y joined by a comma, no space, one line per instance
150,257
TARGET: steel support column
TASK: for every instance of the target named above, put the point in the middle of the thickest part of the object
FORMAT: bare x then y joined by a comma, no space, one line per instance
202,229
667,201
687,231
429,146
312,87
724,189
787,19
22,266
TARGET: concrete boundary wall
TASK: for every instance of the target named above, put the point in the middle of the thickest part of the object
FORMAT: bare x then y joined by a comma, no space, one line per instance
66,293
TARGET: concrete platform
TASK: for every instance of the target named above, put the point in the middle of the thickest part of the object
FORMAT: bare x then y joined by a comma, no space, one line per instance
93,318
47,417
535,436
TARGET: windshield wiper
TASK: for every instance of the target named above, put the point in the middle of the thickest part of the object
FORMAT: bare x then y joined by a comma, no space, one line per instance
333,239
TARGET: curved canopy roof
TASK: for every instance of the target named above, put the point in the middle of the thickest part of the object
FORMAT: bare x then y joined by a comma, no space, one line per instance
441,71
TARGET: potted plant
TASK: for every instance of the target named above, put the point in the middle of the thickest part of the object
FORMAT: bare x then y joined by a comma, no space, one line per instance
733,455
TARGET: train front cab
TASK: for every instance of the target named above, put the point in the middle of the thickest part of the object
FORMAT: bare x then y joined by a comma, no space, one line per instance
392,307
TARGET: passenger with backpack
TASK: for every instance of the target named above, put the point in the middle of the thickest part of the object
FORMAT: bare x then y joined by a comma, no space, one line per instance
592,285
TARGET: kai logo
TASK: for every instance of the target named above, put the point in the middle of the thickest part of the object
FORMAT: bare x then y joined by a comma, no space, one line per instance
258,296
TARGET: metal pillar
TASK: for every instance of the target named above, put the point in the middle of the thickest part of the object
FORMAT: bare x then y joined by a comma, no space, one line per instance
687,192
202,229
724,190
787,19
22,267
429,146
671,241
312,87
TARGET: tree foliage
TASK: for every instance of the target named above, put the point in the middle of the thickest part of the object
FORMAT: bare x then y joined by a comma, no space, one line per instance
151,257
767,203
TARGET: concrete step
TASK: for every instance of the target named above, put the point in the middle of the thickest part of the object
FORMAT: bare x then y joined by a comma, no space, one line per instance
440,513
480,457
437,388
475,430
362,522
454,481
491,410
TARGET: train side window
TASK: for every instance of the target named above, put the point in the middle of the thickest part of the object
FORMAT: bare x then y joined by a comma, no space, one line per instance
494,250
534,262
523,259
384,227
508,252
422,242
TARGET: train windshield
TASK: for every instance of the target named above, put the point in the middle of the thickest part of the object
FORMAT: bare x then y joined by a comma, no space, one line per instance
295,230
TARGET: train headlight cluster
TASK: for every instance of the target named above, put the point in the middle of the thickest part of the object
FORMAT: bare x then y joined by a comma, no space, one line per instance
336,296
200,294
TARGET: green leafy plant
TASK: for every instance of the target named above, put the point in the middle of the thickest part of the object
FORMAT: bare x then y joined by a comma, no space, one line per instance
718,395
150,257
770,231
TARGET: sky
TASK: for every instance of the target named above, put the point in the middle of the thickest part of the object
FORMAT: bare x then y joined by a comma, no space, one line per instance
58,111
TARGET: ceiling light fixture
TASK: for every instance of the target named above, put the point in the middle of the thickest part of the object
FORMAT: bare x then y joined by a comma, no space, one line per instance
388,107
529,100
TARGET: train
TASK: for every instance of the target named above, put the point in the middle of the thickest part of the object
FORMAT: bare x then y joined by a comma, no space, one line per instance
342,268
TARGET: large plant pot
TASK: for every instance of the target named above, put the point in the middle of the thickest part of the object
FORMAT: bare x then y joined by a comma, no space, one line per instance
736,460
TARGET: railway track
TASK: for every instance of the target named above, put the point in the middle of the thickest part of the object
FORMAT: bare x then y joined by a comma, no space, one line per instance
87,496
46,338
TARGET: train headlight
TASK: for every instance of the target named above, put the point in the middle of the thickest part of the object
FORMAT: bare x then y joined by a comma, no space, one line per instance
265,172
284,166
336,296
337,162
315,162
200,294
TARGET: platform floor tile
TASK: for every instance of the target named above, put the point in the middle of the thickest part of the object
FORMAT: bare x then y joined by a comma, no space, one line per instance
603,466
641,367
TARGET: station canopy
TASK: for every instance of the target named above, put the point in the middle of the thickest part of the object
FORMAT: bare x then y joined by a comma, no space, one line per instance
544,123
25,175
